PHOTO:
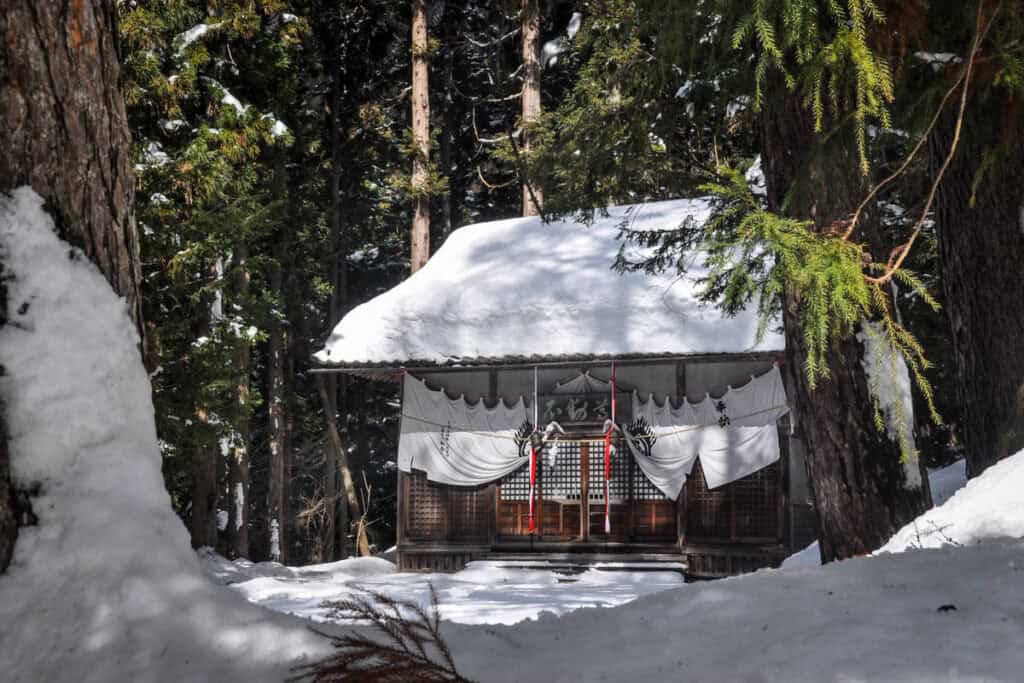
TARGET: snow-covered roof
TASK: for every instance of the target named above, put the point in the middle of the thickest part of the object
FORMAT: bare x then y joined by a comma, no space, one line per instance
525,290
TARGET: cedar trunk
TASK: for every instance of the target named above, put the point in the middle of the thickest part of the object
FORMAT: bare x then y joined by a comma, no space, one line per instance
981,251
532,197
420,136
276,346
65,133
238,463
862,493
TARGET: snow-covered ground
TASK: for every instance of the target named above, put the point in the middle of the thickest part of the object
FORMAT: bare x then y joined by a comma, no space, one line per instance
483,593
949,613
869,619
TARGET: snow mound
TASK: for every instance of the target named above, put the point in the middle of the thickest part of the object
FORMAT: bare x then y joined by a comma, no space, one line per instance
106,587
866,619
228,572
526,288
988,508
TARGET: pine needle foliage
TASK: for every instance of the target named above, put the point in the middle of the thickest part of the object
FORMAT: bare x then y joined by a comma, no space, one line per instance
408,646
753,254
823,52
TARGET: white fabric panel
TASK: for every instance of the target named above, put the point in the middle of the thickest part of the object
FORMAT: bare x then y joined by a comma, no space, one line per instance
734,435
456,442
735,452
674,450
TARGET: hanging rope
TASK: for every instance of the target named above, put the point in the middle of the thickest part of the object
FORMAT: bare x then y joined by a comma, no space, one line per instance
608,460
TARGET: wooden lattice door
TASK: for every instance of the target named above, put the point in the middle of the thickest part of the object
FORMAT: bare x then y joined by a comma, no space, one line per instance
571,479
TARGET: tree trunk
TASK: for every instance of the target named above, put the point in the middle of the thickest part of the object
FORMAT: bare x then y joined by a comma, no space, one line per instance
203,519
862,492
981,251
238,463
276,345
65,133
533,199
420,136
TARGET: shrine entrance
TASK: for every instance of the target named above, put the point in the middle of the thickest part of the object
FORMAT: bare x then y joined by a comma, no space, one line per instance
570,505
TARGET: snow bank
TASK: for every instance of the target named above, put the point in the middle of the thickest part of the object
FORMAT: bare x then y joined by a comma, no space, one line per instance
106,587
868,619
521,287
989,508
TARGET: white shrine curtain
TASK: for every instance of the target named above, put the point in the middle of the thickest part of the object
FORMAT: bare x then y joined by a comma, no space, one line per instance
734,435
456,442
468,444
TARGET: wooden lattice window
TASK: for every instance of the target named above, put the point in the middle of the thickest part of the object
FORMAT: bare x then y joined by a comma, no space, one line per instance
708,512
756,501
644,488
561,467
516,486
618,483
428,509
746,509
469,512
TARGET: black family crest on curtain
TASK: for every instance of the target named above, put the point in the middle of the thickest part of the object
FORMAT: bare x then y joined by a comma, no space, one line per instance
642,434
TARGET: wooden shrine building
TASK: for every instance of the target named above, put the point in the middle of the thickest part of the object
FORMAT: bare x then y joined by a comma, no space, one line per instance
511,347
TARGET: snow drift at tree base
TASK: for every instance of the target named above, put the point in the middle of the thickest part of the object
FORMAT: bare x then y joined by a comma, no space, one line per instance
106,587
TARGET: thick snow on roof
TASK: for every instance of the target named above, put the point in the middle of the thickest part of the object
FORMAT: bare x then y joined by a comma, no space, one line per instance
523,288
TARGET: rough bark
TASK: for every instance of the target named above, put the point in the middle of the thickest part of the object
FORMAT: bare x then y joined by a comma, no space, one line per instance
533,199
981,249
420,136
860,489
65,133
